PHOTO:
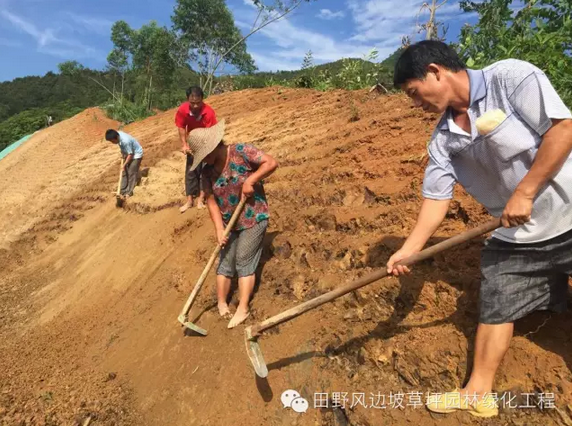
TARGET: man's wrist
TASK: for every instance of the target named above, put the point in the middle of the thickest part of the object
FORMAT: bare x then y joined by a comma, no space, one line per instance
526,190
413,246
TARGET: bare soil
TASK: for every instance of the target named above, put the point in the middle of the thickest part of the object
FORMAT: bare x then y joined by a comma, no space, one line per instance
90,294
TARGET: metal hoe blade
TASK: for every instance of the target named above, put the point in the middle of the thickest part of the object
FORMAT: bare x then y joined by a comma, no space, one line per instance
255,354
183,316
183,320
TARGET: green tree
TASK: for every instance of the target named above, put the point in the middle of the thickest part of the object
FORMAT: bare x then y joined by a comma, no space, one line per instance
306,79
4,112
155,56
207,29
308,61
147,58
70,68
360,74
540,33
119,58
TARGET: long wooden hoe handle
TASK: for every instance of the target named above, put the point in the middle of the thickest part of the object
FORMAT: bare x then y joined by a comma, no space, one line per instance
120,176
340,291
211,261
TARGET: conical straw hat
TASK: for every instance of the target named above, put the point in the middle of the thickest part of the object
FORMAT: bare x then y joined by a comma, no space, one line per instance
203,141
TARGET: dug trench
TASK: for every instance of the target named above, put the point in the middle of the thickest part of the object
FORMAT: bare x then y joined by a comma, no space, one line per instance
90,294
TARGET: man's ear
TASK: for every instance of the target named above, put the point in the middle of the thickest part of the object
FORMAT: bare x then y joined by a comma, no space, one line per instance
434,69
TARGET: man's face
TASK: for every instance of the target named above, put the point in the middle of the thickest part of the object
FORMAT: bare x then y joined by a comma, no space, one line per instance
429,94
196,104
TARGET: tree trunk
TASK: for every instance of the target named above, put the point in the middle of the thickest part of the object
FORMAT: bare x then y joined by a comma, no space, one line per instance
431,23
253,31
150,90
147,99
122,85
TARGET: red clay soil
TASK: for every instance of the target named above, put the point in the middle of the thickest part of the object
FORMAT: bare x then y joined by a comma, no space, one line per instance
90,294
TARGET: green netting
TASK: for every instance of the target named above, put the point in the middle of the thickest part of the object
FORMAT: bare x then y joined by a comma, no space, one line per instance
13,146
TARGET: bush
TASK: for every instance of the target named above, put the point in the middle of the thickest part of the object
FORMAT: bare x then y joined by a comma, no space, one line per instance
540,33
126,112
304,82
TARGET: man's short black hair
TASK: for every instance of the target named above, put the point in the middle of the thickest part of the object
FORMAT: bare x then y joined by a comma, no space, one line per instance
111,135
413,62
196,91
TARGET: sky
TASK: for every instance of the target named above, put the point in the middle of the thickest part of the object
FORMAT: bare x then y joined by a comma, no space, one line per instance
37,35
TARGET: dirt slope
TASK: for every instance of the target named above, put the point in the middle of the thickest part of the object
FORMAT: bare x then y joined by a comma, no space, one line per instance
89,294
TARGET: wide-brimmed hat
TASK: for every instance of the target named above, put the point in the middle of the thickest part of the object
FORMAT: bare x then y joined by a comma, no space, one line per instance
203,141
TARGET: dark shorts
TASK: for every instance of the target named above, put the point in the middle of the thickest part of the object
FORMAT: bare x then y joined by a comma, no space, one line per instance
518,279
192,178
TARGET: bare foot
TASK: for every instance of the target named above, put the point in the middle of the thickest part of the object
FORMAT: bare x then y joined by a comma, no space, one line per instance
186,207
200,204
238,318
224,311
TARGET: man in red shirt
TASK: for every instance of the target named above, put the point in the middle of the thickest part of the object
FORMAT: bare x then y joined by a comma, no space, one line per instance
193,114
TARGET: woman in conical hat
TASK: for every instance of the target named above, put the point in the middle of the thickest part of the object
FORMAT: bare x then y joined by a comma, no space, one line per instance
230,173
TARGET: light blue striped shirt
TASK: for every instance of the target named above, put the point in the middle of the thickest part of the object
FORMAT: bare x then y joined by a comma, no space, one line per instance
129,145
490,167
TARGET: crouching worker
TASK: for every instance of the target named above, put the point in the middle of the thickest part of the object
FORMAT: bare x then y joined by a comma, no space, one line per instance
132,154
231,172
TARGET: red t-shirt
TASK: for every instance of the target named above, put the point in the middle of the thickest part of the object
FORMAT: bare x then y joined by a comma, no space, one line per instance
185,120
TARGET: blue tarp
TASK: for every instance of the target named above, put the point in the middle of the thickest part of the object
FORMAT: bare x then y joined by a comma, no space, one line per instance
12,147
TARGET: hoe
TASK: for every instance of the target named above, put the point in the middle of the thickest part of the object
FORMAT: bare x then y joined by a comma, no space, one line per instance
118,197
253,332
183,317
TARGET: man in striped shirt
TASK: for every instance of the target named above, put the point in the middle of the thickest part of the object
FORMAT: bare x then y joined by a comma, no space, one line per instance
521,172
132,154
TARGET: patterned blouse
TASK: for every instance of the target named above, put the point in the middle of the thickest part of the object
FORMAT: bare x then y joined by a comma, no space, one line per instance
244,159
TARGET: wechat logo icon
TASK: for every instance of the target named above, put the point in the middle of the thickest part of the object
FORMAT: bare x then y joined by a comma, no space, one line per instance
292,399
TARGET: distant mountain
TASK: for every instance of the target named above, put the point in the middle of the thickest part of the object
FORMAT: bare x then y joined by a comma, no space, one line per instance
261,79
390,61
332,67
